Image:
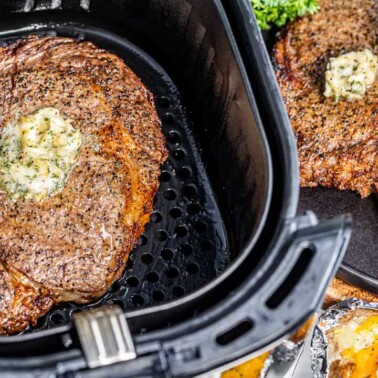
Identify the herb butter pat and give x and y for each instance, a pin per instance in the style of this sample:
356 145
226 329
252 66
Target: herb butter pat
350 75
37 152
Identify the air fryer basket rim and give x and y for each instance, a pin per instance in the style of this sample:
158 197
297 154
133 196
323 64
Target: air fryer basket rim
235 264
253 49
133 314
167 348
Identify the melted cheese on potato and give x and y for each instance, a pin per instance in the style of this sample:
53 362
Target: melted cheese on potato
37 152
357 345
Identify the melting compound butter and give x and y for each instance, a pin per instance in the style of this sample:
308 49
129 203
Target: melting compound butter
37 152
350 75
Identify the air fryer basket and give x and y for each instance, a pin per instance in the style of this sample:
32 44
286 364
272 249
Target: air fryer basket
223 269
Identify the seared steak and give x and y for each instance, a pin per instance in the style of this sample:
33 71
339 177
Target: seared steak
337 141
74 244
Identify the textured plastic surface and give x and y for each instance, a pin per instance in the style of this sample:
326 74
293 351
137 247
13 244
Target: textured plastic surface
280 266
360 264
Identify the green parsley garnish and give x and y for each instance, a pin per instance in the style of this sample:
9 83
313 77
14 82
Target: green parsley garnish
280 12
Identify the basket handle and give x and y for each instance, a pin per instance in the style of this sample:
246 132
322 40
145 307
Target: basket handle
314 251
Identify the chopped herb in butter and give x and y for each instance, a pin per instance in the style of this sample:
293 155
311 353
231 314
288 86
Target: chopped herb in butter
350 75
37 152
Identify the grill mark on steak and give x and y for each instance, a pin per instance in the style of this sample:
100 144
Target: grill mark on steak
60 249
337 142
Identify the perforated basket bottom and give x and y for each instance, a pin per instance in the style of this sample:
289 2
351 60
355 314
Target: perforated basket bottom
185 245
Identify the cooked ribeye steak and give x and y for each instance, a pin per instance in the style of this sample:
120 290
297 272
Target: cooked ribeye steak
337 140
73 244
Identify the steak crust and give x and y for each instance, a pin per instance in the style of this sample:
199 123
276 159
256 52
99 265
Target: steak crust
74 245
337 141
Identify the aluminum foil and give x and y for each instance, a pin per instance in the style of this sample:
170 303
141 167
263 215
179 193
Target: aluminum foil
328 320
267 364
286 352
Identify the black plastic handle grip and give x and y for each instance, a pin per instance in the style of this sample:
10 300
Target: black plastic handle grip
294 291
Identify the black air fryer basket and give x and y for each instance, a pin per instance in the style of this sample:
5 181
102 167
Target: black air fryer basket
224 269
